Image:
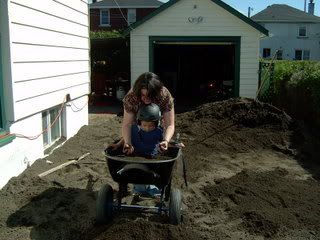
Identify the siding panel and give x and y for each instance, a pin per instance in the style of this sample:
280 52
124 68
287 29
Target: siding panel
49 53
26 34
27 16
40 86
56 8
47 69
36 53
49 100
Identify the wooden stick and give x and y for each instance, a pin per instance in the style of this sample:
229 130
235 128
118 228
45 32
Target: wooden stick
63 165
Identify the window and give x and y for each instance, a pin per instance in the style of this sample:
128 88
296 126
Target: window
132 16
298 55
306 55
54 132
104 17
302 55
302 32
279 54
266 52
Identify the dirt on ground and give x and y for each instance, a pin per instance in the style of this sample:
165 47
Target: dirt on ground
253 173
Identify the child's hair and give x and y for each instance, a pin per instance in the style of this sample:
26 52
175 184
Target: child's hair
149 113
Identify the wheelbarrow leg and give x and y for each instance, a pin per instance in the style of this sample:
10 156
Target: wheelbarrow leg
122 191
167 191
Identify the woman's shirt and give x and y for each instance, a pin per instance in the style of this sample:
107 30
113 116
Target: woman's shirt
146 143
131 102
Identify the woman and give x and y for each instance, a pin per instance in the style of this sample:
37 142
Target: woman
147 89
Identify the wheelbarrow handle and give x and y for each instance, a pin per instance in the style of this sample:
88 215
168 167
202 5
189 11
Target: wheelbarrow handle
137 166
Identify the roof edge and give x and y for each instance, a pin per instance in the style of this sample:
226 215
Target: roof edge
286 21
242 17
220 3
110 7
151 15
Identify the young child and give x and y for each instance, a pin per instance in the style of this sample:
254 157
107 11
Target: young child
145 137
147 133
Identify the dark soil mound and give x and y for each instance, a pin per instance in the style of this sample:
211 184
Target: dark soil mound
268 202
235 126
232 150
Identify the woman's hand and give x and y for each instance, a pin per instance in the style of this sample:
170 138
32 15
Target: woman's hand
116 145
128 149
163 145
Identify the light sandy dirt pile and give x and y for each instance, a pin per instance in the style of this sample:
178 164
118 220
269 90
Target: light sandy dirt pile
252 172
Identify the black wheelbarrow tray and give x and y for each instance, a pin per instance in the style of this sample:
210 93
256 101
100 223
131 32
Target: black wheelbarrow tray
124 170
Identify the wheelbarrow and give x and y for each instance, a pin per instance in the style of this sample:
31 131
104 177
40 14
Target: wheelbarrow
125 170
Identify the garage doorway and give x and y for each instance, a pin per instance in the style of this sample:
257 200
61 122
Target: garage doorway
197 70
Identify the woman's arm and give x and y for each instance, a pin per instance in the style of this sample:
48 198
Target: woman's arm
168 120
128 120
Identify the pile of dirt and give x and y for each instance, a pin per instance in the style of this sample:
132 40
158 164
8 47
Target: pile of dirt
250 176
268 203
235 126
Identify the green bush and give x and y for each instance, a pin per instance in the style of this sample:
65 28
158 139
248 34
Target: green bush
105 34
298 83
302 75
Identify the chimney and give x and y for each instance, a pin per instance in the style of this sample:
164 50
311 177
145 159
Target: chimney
311 7
305 5
249 11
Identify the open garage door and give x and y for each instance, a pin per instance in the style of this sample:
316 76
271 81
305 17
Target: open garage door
197 71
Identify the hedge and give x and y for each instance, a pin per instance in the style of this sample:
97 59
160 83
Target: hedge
297 89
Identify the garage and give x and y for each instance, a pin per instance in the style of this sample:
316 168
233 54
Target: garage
201 69
202 50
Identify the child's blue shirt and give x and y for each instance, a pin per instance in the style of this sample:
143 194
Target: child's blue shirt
146 143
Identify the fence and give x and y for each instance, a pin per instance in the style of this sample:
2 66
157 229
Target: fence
266 82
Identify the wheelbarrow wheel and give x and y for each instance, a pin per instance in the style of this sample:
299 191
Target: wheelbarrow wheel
104 204
175 207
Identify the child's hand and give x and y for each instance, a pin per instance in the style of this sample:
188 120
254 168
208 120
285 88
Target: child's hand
163 146
128 149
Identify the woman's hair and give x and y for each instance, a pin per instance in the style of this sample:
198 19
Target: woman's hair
149 81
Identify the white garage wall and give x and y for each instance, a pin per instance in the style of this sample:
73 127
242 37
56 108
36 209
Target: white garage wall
216 22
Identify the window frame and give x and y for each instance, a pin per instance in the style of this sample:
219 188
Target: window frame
263 51
48 133
135 15
306 32
3 127
2 121
280 56
295 54
303 54
101 17
303 57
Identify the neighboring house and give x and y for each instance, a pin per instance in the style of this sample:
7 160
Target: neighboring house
44 61
296 34
118 14
190 43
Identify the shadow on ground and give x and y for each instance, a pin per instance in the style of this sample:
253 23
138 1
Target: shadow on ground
57 213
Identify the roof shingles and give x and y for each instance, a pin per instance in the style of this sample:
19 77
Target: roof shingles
284 13
126 3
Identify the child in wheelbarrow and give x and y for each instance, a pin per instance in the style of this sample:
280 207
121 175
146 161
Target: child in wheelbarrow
145 137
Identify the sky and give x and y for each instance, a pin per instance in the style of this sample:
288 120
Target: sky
259 5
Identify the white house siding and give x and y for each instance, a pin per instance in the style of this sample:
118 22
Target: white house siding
285 36
216 22
45 55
